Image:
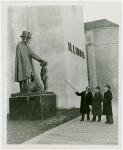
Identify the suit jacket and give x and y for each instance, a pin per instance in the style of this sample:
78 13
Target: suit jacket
86 100
96 104
107 103
24 67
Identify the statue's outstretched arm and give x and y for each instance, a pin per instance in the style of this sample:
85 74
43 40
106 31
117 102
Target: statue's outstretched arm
36 57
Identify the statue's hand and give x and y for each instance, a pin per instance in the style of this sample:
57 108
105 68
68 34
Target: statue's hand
43 63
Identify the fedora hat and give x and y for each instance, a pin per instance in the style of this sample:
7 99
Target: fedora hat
97 87
108 86
25 33
89 88
30 35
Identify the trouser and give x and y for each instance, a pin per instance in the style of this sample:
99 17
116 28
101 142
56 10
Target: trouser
109 119
83 116
24 84
45 84
94 118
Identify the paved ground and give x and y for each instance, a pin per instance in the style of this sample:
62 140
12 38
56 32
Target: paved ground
82 133
19 131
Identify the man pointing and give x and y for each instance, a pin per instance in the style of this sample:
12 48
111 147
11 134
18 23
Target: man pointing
86 102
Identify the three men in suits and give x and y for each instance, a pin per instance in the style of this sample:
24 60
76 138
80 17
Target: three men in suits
86 102
96 105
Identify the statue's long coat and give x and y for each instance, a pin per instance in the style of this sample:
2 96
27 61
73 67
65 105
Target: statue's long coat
86 100
24 67
107 103
96 104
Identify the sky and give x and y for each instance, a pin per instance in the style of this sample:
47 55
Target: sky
100 10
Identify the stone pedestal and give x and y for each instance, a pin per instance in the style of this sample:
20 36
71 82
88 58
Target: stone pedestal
38 106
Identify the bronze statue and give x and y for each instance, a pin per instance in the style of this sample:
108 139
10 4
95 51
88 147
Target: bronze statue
24 67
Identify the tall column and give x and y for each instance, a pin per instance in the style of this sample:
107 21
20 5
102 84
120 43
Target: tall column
91 61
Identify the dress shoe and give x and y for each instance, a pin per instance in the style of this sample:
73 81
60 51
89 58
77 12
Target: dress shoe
92 121
110 123
82 120
99 121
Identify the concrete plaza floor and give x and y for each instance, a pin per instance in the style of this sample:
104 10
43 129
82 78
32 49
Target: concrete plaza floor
75 132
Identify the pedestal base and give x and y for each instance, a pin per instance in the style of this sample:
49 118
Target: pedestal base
40 106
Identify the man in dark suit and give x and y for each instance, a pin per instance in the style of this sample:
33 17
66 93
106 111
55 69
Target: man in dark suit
86 101
96 105
107 105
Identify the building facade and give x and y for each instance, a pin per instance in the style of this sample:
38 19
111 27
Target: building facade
102 44
58 38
